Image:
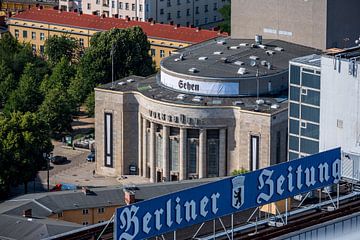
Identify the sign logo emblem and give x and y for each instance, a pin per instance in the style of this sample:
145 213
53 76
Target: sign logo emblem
238 190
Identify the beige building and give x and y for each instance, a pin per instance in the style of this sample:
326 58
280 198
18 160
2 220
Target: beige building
200 116
320 24
183 12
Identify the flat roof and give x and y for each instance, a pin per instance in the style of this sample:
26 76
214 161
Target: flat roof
313 60
238 54
150 88
87 21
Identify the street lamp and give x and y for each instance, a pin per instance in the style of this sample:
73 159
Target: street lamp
48 156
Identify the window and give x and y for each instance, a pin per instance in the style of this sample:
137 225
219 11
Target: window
101 210
215 18
294 93
33 47
113 4
85 223
206 8
197 22
213 155
197 10
60 215
133 7
295 75
178 2
311 97
309 146
192 155
159 152
42 36
16 33
293 143
169 16
215 6
174 155
97 1
206 20
33 35
188 12
310 113
140 7
153 52
81 42
162 53
161 11
120 5
254 152
169 3
294 126
41 49
178 14
89 6
24 34
126 6
310 80
108 140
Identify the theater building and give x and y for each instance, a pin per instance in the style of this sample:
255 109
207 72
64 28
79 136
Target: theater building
213 108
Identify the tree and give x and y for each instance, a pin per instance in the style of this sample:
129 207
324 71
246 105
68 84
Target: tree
7 83
225 12
239 171
131 56
23 140
57 110
27 97
90 104
58 47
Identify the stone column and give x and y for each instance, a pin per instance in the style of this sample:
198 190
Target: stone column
222 152
144 147
165 153
140 134
152 153
182 154
202 154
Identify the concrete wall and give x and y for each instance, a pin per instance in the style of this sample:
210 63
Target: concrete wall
340 107
298 21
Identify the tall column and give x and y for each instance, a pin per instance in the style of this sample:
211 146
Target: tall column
144 147
140 135
152 153
222 152
165 153
202 154
182 154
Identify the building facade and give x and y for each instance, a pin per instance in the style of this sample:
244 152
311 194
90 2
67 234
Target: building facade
36 25
304 106
183 12
214 108
320 24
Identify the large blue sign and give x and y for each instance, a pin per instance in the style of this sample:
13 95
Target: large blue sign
199 204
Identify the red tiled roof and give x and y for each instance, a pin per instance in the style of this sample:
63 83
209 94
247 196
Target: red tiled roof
163 31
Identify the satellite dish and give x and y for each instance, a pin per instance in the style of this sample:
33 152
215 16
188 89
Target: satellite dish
253 63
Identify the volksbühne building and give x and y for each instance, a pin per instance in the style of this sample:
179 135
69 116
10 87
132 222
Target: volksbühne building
214 107
36 25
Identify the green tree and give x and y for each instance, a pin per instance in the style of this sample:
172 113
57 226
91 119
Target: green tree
57 110
239 171
58 47
7 83
27 97
225 12
131 56
23 140
90 104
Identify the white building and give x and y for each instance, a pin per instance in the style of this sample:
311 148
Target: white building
340 107
183 12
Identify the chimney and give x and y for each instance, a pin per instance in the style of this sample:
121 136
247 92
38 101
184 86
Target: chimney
192 26
171 23
153 22
198 29
55 7
177 26
27 213
80 13
149 19
215 28
75 10
60 10
129 196
86 191
102 16
116 15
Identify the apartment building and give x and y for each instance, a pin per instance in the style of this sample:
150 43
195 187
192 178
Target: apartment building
320 24
36 25
183 12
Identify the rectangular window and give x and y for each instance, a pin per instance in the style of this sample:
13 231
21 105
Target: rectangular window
174 155
24 34
108 140
153 52
310 130
295 75
293 156
178 14
188 12
120 5
85 211
89 6
81 42
310 80
294 110
41 49
162 53
215 6
254 153
310 114
101 210
206 8
133 7
197 10
311 97
126 6
213 157
42 36
293 143
294 93
16 33
168 3
309 146
178 2
140 7
33 47
161 11
193 149
168 16
113 4
33 35
294 126
60 214
85 223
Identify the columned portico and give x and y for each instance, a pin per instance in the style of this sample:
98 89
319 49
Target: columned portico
202 153
165 148
144 149
182 154
152 153
222 152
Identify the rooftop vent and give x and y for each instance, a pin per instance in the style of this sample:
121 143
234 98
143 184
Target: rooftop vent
279 49
275 106
221 42
254 58
122 83
242 71
197 99
239 63
218 53
130 80
262 46
224 60
269 66
238 103
203 58
258 39
270 52
260 101
263 63
181 97
243 44
234 47
193 70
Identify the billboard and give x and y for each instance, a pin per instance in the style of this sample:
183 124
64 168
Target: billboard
209 201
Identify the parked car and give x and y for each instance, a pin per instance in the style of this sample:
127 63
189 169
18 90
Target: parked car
58 160
91 157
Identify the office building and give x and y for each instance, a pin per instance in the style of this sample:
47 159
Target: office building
36 25
321 24
214 107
